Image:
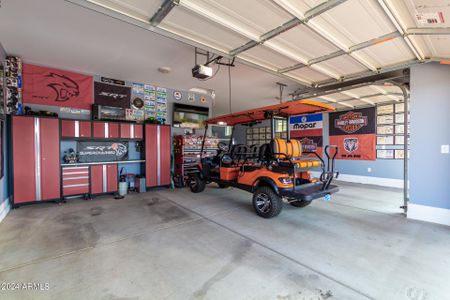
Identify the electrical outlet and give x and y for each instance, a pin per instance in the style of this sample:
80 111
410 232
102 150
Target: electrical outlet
369 170
445 149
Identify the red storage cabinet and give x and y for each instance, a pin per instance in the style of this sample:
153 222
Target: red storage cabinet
105 130
130 131
35 151
104 178
75 128
157 155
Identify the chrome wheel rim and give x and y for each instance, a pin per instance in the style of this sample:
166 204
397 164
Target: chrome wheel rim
263 203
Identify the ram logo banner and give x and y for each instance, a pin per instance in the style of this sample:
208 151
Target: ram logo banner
47 86
354 133
351 144
309 130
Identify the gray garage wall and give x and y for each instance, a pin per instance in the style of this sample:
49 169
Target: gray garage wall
429 170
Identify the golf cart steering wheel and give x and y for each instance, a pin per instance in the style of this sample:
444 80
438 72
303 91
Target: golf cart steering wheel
222 146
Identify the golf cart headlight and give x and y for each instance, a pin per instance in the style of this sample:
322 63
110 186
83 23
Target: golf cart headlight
285 180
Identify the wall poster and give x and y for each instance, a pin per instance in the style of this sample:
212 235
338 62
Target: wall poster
112 95
92 151
354 133
309 130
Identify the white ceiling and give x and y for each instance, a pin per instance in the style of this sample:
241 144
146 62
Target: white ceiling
334 40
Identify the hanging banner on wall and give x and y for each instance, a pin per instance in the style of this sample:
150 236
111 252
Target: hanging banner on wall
48 86
354 133
91 151
112 95
309 130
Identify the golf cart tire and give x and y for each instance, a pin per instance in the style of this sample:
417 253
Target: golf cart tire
300 203
275 202
222 186
196 184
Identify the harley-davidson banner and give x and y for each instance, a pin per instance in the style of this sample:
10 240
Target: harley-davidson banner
309 130
102 151
112 95
48 86
354 133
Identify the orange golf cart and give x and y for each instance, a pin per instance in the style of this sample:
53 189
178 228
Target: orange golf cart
273 172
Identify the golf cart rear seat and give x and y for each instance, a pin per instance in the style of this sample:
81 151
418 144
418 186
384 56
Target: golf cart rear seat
289 153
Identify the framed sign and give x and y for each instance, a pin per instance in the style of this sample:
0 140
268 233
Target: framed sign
399 118
399 129
385 140
385 119
399 154
385 109
385 130
399 107
399 140
385 154
112 95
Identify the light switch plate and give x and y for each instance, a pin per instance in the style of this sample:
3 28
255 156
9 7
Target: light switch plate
445 149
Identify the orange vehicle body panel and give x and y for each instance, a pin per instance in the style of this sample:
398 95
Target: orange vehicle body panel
229 174
250 178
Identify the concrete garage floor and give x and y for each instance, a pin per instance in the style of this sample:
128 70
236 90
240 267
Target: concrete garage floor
177 245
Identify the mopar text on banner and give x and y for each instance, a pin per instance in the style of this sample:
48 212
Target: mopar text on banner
48 86
354 133
309 130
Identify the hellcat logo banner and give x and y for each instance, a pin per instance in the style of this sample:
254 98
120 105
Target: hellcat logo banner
48 86
354 133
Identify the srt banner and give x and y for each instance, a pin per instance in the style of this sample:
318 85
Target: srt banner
112 95
102 151
309 130
47 86
354 133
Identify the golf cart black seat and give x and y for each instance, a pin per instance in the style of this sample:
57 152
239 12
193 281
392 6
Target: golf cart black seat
289 153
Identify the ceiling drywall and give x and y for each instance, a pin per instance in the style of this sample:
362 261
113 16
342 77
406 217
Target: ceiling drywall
62 35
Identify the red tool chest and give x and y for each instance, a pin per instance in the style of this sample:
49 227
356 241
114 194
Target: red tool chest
104 178
75 180
157 155
35 151
75 128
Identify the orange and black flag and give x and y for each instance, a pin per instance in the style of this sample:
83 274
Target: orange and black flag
354 132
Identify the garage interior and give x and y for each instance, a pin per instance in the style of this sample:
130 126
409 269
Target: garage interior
109 106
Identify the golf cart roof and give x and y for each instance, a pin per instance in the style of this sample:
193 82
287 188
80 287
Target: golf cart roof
286 109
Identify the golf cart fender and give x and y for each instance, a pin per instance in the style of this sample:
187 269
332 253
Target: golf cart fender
265 181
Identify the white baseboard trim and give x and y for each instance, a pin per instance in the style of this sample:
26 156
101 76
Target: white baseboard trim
398 183
4 209
429 214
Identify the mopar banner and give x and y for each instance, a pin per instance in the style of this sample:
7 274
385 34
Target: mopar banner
102 151
354 133
309 130
47 86
112 95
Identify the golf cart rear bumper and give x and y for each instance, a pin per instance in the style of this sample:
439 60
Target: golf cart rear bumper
308 193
